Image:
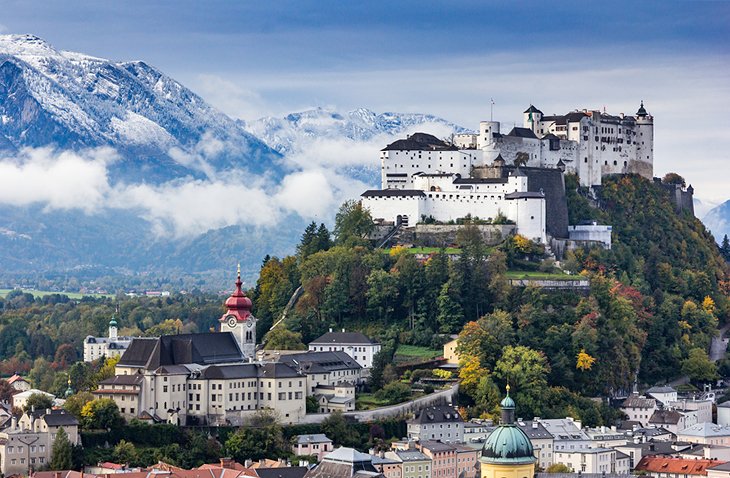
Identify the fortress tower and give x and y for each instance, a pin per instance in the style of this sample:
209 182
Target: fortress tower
508 452
644 144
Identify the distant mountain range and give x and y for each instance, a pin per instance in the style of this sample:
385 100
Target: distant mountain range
718 221
167 143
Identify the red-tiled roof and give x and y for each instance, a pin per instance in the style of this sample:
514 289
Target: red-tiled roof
664 464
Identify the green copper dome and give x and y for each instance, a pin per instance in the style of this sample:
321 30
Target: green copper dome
508 444
113 322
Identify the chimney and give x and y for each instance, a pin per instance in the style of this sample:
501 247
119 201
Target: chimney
248 463
48 411
534 425
330 329
14 422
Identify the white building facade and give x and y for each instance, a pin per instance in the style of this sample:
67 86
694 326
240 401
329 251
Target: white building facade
356 345
111 346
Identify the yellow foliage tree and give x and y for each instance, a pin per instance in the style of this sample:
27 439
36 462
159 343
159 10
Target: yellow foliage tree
444 374
709 305
470 372
585 361
522 244
397 250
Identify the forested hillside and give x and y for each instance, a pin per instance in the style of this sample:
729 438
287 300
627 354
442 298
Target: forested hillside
655 302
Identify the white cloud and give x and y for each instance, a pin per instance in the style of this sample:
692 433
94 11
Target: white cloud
60 181
230 97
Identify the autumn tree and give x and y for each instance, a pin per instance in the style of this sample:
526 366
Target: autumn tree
698 366
101 414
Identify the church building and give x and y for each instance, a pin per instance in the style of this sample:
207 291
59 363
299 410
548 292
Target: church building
508 452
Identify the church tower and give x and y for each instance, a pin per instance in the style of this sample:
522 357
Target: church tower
508 452
239 321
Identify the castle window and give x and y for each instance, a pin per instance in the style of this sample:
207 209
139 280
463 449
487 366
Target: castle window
615 163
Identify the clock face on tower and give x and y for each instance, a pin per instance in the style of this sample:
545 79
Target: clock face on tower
232 321
249 323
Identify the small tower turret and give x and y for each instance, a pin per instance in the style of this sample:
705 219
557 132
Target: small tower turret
644 140
113 329
532 118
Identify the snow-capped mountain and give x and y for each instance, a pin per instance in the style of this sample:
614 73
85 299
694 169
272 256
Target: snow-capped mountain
718 221
114 165
161 129
287 134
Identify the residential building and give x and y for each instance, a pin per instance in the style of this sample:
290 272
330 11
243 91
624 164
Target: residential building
450 354
443 458
18 383
695 411
325 368
477 431
639 408
665 394
637 451
706 433
605 437
708 452
671 420
595 460
336 398
27 443
415 464
390 465
20 399
345 463
467 461
670 467
442 423
720 470
356 345
542 441
723 413
314 445
567 434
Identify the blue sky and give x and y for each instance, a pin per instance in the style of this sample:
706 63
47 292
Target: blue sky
446 58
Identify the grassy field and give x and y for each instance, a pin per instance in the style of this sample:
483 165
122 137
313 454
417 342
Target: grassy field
43 293
415 352
367 401
537 275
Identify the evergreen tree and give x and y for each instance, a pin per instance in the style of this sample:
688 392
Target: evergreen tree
450 313
308 245
62 452
725 248
353 223
324 238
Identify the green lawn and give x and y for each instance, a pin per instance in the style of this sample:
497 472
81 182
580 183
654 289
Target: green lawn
367 401
43 293
537 275
411 352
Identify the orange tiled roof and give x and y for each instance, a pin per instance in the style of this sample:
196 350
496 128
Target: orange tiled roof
665 464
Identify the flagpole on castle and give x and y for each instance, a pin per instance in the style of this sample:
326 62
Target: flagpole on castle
491 109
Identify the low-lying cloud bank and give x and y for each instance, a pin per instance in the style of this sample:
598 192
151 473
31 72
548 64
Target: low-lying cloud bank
320 179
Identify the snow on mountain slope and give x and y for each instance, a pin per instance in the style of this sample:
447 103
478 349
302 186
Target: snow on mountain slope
718 221
71 100
287 134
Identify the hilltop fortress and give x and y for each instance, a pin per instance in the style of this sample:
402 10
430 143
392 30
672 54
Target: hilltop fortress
515 177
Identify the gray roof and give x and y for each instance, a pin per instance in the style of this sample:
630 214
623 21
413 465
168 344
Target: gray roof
637 401
412 455
320 362
533 429
720 467
315 438
420 142
706 430
439 414
665 417
347 338
217 372
524 194
661 389
135 379
392 193
522 133
436 446
282 472
58 418
203 349
564 429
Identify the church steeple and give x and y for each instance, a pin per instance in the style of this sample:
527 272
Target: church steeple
238 319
